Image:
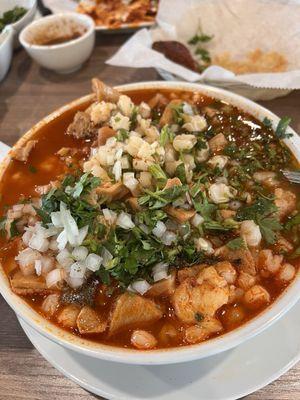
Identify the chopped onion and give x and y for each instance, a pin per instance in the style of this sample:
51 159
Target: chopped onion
109 216
51 231
93 262
80 253
130 181
53 245
119 153
160 271
53 277
197 220
159 229
64 258
168 238
187 109
38 242
75 282
62 240
56 219
140 287
47 264
27 235
106 256
69 224
38 267
117 170
124 221
144 228
81 236
77 270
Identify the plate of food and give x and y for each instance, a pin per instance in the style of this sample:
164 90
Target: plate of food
111 15
151 223
215 43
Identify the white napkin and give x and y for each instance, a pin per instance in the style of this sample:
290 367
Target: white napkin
238 26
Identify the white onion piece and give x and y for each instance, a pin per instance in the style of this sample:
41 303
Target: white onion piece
51 231
144 228
93 262
53 245
47 264
81 236
187 109
56 219
62 240
27 235
106 256
168 238
109 215
130 181
77 270
38 242
160 271
53 277
64 258
197 220
140 287
124 221
75 282
159 229
117 170
80 253
38 267
69 224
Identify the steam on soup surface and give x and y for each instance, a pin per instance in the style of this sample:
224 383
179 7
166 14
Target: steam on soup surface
150 219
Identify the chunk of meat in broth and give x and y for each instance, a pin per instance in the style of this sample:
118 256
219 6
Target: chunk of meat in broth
168 114
131 309
67 317
164 287
89 321
204 295
29 285
285 201
242 259
217 143
199 332
111 191
104 92
50 304
21 153
82 126
105 133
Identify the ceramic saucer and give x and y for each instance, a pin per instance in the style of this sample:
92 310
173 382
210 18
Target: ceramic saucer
229 375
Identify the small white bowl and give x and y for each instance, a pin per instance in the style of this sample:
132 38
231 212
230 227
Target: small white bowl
30 5
6 49
64 57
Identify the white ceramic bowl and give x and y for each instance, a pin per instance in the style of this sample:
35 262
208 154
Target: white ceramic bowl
6 49
65 57
30 5
174 355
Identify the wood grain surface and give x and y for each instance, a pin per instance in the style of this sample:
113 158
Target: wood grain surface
28 94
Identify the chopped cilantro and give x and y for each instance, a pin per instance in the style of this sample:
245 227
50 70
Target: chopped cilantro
32 169
236 244
282 126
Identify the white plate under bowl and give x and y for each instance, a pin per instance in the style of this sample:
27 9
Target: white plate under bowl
230 375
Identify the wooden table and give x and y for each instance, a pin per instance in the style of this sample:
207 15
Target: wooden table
28 94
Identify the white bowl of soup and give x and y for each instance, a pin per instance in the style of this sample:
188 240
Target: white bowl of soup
151 223
61 42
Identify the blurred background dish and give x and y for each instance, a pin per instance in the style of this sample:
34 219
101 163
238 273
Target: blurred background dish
110 16
18 14
6 49
60 42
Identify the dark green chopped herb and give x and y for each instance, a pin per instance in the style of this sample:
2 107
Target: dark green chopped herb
180 173
166 135
13 229
204 55
200 37
199 317
122 135
262 212
294 221
161 198
32 169
236 244
157 172
133 119
282 126
267 122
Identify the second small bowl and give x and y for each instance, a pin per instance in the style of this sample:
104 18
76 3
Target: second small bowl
61 42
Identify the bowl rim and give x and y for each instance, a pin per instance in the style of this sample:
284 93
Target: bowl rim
224 342
80 17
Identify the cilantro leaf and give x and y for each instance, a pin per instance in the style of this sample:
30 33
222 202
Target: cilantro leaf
282 126
236 244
